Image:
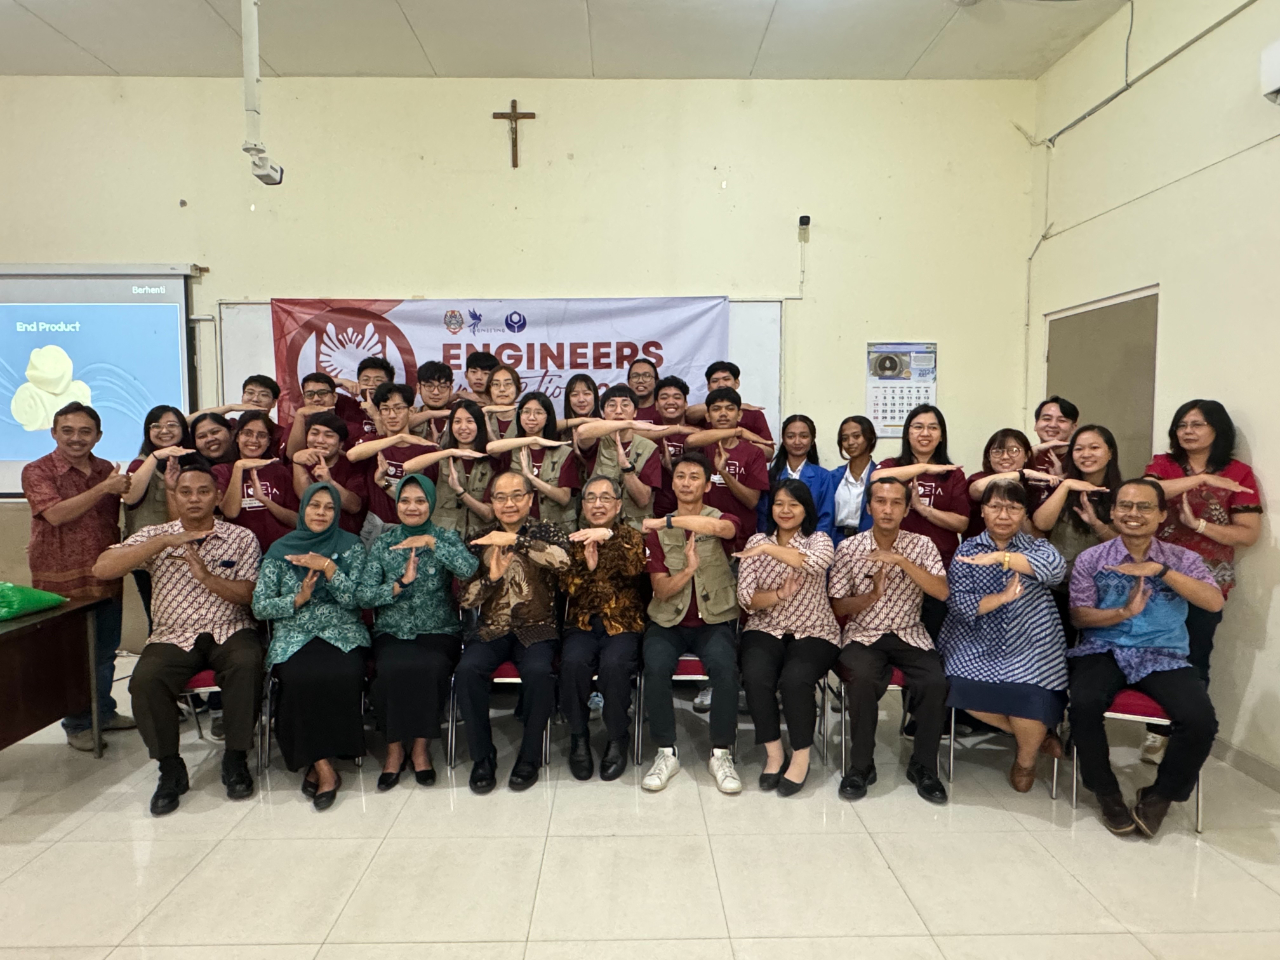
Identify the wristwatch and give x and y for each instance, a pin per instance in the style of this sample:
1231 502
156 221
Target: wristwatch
1164 568
669 516
629 468
401 584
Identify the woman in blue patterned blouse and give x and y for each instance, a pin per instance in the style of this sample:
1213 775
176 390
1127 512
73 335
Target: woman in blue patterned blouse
417 636
1002 644
307 589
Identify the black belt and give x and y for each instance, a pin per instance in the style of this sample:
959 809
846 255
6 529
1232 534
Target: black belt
848 531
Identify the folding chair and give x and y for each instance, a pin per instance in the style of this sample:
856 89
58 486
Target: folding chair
897 681
1130 704
202 683
506 673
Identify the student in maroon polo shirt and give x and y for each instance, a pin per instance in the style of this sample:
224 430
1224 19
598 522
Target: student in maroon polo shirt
1056 419
642 378
723 374
257 489
383 458
359 408
939 494
320 395
671 401
258 392
740 472
322 462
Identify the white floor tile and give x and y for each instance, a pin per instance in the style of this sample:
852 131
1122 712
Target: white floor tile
256 951
1198 946
260 891
635 888
1257 851
1095 946
629 950
448 808
893 806
422 951
816 809
810 886
204 812
444 890
13 856
360 812
54 953
838 948
91 894
622 809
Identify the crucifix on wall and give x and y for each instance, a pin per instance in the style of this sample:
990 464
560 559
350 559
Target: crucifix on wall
513 118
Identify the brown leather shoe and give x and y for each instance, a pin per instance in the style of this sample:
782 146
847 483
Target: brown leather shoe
1022 778
1051 746
1149 811
1115 815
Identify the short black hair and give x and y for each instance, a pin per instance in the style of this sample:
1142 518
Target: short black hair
907 456
619 390
482 360
515 376
590 382
262 380
195 463
868 433
376 363
1008 490
255 416
724 366
671 382
217 418
892 481
724 395
329 419
384 392
799 492
1001 439
75 406
318 377
1224 433
434 370
638 360
692 456
1069 409
1161 500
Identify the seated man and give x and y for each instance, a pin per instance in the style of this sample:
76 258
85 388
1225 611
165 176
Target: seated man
603 623
694 610
203 571
1129 596
515 589
878 580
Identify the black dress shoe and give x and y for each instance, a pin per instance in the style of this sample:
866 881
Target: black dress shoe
1149 811
855 783
769 781
324 800
581 763
173 783
1115 815
236 776
927 783
789 788
484 775
614 761
388 780
523 775
309 787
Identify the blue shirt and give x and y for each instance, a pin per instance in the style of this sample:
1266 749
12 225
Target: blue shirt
817 480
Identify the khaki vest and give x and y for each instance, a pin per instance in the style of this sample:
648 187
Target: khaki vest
714 580
553 458
450 512
642 448
153 508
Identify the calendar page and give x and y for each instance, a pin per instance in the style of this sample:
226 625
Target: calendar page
900 377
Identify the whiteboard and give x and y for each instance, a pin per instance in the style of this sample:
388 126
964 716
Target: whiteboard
755 345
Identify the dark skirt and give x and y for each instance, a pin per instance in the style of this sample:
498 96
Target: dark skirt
318 713
1024 700
411 689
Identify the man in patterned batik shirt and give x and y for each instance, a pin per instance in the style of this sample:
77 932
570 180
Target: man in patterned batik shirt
878 581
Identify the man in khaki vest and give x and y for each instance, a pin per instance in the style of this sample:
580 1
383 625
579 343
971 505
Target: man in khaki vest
694 610
624 450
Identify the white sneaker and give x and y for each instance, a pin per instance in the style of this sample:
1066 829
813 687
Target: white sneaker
721 767
665 765
1153 748
702 702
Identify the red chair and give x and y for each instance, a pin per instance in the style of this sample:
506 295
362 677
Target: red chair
1130 704
506 673
202 683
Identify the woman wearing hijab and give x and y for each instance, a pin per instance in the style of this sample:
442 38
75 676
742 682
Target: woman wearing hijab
417 636
307 589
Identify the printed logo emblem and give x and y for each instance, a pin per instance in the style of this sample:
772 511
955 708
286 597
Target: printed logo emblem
516 322
476 320
453 321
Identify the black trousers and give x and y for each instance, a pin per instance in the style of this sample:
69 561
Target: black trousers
868 670
1095 681
711 643
164 669
411 689
610 657
789 664
538 694
1201 626
318 713
932 614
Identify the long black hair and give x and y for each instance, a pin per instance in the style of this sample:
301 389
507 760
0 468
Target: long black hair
1001 438
255 416
1224 433
798 490
576 379
450 442
549 431
1111 479
153 416
780 458
906 457
232 453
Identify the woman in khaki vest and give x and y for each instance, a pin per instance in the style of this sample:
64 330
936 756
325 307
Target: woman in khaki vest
462 472
502 419
548 463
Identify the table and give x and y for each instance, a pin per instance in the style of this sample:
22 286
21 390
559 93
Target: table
47 670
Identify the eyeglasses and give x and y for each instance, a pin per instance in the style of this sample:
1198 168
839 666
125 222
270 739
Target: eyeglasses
591 498
925 428
1009 509
642 377
165 425
316 394
1006 451
1192 424
390 408
1145 508
502 499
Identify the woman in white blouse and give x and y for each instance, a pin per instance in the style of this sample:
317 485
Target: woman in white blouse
791 639
857 441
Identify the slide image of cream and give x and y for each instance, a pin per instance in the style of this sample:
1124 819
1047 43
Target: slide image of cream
48 389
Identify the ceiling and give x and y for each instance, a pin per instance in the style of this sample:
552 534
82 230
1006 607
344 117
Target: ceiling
779 39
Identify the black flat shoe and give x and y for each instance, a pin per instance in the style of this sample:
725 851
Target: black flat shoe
523 775
854 785
309 787
927 783
324 801
581 763
425 777
789 788
388 780
614 761
484 776
769 781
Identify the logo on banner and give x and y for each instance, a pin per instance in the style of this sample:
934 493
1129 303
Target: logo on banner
516 322
453 321
476 319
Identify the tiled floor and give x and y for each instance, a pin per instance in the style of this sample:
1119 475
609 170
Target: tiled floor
602 871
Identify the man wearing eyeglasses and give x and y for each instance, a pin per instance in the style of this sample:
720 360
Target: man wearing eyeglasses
319 395
603 624
385 456
515 591
642 378
1129 596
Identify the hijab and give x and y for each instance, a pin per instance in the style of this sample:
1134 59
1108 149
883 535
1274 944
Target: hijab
332 542
429 489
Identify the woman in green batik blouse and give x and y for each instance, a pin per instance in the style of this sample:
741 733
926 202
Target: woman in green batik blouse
417 636
307 589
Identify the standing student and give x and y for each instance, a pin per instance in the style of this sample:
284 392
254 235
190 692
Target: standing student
320 395
642 378
617 451
671 403
462 472
258 488
384 457
359 408
741 472
1005 457
797 459
480 364
322 462
1056 419
505 387
211 436
851 515
75 502
939 496
435 388
725 375
581 403
258 392
548 462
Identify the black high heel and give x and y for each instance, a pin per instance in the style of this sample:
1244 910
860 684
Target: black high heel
388 780
324 801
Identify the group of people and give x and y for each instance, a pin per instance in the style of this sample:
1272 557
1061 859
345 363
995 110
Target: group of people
400 541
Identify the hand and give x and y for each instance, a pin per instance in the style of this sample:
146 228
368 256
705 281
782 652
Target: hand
1086 512
168 453
756 551
544 443
877 584
171 474
1082 486
648 525
623 460
350 386
887 557
1013 590
598 534
413 543
495 538
116 484
984 559
307 456
1148 568
305 411
410 568
788 588
1050 478
498 408
306 588
1224 483
941 467
499 561
466 454
722 458
591 553
1138 597
1040 448
380 472
1188 518
255 487
751 406
321 471
454 483
198 570
314 561
185 536
415 440
526 464
691 552
253 464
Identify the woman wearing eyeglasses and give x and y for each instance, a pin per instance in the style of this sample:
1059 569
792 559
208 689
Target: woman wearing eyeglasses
1005 457
504 387
547 461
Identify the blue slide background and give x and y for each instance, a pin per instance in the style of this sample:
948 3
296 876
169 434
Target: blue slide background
130 355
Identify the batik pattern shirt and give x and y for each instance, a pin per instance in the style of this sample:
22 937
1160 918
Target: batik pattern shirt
807 613
427 604
609 591
898 609
332 613
523 600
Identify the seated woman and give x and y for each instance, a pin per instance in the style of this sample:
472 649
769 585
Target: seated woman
791 639
1003 647
548 462
849 494
417 636
258 488
307 589
797 459
462 472
1005 457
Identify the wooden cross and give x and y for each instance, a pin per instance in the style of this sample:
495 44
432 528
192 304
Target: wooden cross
513 118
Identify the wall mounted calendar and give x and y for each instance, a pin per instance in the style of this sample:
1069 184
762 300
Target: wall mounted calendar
900 377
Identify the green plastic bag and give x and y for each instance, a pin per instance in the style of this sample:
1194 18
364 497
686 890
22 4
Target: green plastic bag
16 601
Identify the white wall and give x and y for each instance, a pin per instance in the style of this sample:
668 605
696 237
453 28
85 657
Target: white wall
1175 183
